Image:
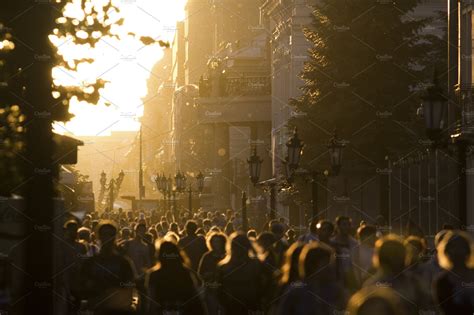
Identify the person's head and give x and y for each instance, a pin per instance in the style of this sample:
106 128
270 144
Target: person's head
140 230
229 228
252 234
171 236
84 234
289 269
70 230
191 227
316 260
107 232
344 225
153 232
448 226
266 240
290 234
324 230
201 232
382 300
206 224
125 233
416 248
367 234
238 248
455 251
216 242
390 254
277 229
439 237
174 227
169 255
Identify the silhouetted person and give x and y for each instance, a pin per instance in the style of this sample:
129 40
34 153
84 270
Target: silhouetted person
242 282
311 235
70 256
208 265
138 251
289 279
346 248
84 236
108 278
317 292
281 245
171 285
291 236
324 231
454 287
390 262
216 242
268 256
367 235
382 300
193 245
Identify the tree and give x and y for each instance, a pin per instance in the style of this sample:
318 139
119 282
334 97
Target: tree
366 64
28 84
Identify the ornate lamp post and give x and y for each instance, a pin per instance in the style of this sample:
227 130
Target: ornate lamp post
295 151
336 148
180 181
200 187
160 182
200 181
433 110
255 166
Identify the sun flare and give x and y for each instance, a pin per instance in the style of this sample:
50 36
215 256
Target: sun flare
126 65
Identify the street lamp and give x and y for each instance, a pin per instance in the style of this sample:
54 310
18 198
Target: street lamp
200 182
161 185
336 148
200 187
433 110
255 166
180 181
295 150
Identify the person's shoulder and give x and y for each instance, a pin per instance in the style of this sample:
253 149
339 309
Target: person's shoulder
442 278
183 240
353 242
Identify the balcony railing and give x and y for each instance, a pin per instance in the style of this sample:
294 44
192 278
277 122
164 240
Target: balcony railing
246 86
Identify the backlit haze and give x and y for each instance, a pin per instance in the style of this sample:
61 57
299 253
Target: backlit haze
126 63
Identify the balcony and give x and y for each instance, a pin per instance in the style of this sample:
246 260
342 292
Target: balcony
232 87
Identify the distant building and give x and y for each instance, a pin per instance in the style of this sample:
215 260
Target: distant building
461 14
285 21
234 108
198 36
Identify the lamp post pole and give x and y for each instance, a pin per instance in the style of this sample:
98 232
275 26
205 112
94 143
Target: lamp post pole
462 150
244 212
272 201
295 150
314 194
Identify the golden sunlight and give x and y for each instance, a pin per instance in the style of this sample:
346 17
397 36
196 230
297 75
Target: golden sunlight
126 64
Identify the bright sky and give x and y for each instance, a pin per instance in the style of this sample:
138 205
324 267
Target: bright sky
126 63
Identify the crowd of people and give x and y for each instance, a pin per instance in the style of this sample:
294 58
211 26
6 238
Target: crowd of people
132 262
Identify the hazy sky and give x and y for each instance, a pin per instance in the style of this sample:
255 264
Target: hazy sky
125 63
